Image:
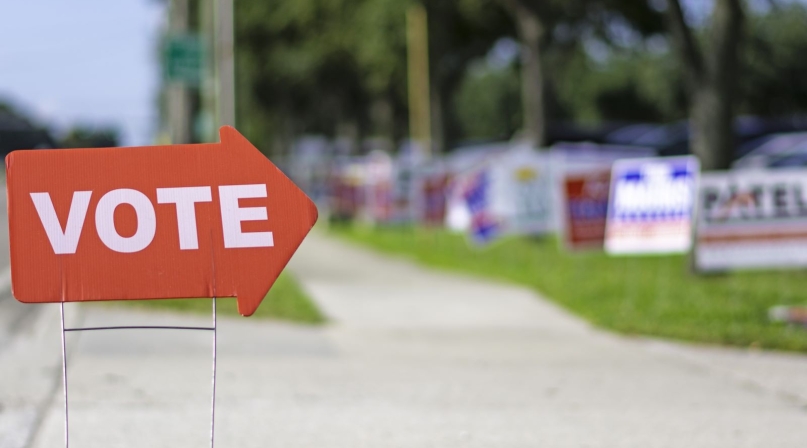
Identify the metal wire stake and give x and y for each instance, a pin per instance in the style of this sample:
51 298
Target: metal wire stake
64 381
213 400
137 327
140 327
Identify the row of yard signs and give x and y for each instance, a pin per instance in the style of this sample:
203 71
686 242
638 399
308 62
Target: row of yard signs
742 219
602 199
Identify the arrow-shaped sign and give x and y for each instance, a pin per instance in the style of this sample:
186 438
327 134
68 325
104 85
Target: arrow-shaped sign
179 221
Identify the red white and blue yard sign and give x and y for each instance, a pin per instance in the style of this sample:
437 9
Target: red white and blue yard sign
651 205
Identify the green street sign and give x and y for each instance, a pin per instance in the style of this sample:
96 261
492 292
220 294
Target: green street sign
183 59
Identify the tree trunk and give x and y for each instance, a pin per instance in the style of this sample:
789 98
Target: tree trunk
530 32
711 80
712 133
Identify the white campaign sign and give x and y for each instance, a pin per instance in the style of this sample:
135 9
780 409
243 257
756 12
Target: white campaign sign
650 205
522 191
752 219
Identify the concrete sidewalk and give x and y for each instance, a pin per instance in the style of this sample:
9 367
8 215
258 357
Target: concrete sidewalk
416 358
370 290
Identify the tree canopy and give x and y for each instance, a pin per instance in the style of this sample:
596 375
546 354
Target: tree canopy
339 67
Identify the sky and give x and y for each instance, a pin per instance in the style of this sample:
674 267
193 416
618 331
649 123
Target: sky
94 62
88 62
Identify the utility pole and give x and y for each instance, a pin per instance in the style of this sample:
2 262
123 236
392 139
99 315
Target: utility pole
208 82
225 63
417 52
177 95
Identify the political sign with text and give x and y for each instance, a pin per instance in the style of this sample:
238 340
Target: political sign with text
586 207
521 191
484 226
179 221
752 219
651 204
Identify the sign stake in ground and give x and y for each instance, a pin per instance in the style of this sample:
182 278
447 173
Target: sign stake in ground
66 330
179 221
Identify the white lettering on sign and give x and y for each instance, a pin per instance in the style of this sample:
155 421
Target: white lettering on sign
657 195
63 242
105 220
232 216
185 199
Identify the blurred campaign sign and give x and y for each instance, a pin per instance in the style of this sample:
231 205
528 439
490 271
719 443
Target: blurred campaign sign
429 186
577 161
402 193
378 185
521 191
586 208
347 189
459 164
484 226
180 221
752 219
650 205
509 193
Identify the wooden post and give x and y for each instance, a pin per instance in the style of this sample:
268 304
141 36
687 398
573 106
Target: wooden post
417 43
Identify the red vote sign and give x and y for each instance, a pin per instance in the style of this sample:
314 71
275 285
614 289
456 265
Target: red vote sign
179 221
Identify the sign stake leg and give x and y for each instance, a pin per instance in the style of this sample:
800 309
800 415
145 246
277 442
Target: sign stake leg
213 400
65 330
64 380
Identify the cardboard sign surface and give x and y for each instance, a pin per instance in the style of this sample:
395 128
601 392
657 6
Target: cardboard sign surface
586 207
521 191
752 219
650 205
180 221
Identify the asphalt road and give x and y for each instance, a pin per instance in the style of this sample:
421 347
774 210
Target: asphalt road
412 358
13 315
28 360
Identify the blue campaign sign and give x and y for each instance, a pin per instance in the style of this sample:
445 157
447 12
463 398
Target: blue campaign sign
651 205
484 227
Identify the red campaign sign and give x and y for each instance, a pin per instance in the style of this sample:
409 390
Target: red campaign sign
346 198
435 188
382 201
179 221
586 209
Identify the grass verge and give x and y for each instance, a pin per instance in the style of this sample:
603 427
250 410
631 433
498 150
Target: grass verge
655 295
285 301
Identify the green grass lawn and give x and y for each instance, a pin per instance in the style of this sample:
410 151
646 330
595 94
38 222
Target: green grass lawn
285 301
651 295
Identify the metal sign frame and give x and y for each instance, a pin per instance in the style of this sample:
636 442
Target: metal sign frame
136 327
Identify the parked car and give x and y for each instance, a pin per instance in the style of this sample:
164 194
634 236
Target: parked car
16 133
773 151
